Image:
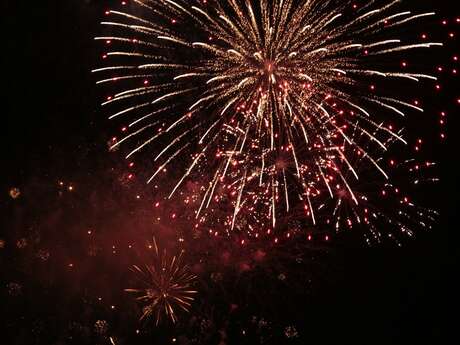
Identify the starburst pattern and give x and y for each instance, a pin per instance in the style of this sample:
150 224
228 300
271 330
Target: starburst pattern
167 286
273 102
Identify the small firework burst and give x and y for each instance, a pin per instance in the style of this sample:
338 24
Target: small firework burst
43 254
15 193
101 327
14 289
21 243
167 286
291 332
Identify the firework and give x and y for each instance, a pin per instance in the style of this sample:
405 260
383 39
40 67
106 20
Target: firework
15 193
271 102
167 286
383 204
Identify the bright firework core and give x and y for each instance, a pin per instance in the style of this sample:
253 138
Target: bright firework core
269 68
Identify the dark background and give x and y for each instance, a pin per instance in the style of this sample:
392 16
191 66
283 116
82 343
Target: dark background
52 129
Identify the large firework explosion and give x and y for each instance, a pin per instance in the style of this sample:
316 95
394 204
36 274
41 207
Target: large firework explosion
76 218
271 103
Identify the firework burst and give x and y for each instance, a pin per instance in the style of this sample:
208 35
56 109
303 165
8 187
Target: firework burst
167 286
269 101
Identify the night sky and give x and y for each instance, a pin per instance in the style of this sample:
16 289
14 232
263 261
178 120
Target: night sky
64 253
